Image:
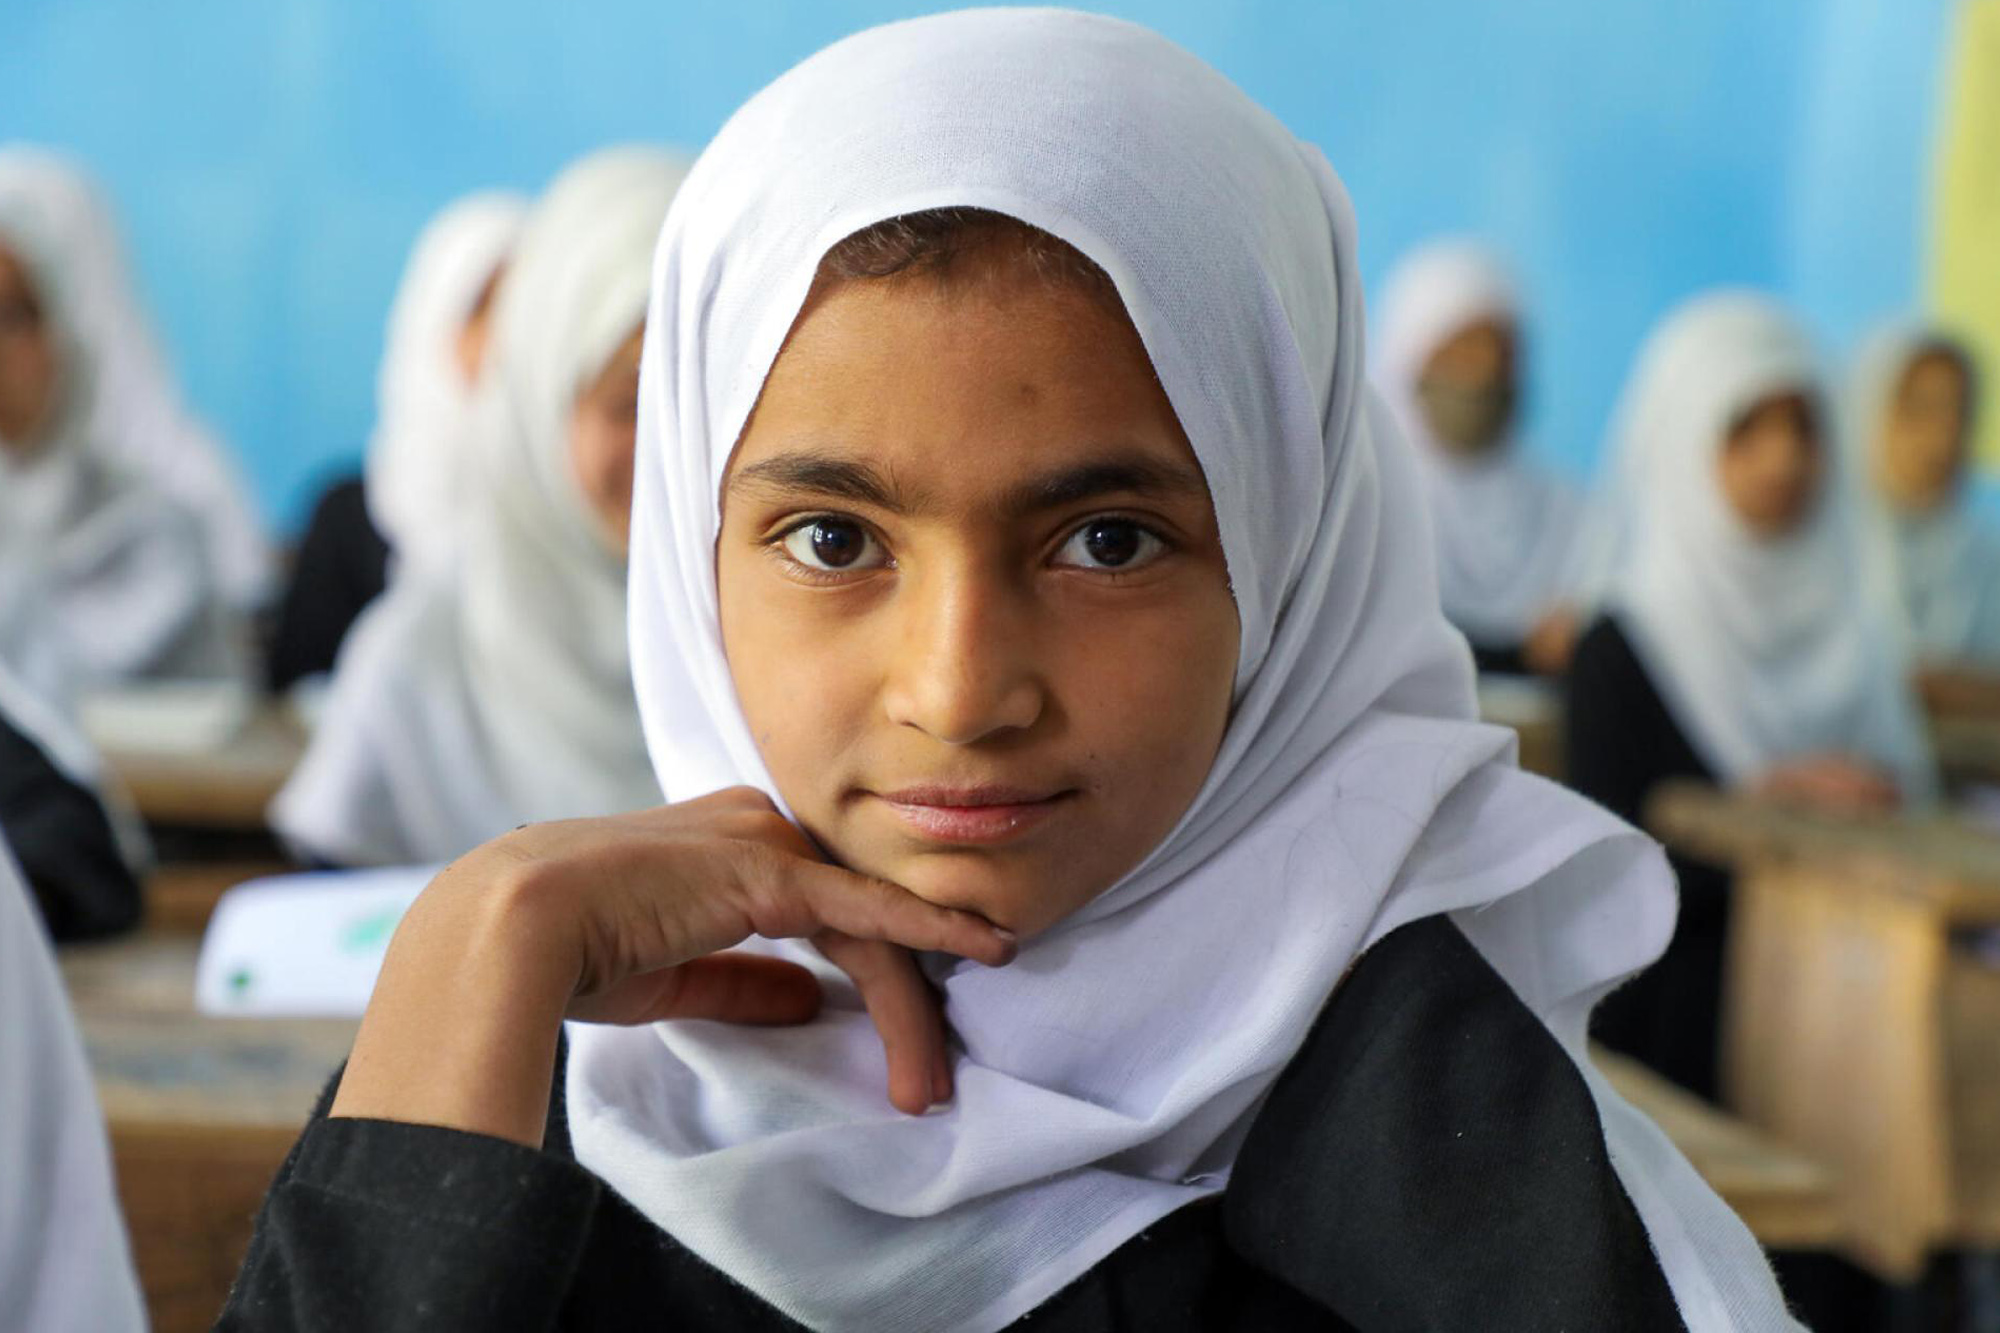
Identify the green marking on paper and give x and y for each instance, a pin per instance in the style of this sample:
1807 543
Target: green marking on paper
239 981
370 934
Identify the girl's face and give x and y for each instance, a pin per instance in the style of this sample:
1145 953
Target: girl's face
469 349
972 592
27 357
601 430
1467 389
1920 453
1770 465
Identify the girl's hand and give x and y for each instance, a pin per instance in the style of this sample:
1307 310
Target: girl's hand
622 920
1833 783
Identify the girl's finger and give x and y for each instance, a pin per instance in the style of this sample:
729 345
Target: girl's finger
905 1012
875 909
725 987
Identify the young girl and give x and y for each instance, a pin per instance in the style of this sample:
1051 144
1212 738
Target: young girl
493 689
137 413
1913 400
1447 363
103 578
1022 574
419 465
1739 644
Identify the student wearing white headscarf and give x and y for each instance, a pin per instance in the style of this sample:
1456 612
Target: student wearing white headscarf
136 409
1740 643
1446 357
1012 513
1913 395
65 1262
103 578
492 689
420 472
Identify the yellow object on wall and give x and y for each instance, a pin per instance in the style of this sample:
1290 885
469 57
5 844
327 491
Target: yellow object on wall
1965 256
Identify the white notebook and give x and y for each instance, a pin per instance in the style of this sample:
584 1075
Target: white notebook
302 946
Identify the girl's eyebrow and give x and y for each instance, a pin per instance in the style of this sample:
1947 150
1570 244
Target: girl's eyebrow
1125 473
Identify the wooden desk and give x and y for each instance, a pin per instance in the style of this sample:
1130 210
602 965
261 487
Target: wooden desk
225 788
1857 1028
201 1112
180 897
1787 1200
1534 709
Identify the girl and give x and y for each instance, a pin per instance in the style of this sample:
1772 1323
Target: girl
419 467
481 695
137 413
1447 364
103 579
1913 399
1738 646
1013 516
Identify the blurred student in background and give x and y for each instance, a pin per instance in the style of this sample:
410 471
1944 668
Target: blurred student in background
1738 645
466 705
136 411
1913 395
414 494
104 576
1447 361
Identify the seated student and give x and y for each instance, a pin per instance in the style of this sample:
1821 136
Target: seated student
1012 512
78 862
1447 362
1738 644
138 416
65 1263
99 571
417 466
472 699
1913 395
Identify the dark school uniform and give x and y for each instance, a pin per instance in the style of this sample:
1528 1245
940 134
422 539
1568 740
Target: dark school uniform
65 845
342 565
1431 1159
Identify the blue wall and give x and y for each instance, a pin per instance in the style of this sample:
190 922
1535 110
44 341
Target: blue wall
273 158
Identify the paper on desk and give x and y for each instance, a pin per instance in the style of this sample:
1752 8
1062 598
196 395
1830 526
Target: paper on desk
302 946
168 716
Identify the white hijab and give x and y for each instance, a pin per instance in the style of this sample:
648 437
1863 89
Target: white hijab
136 410
101 579
467 705
1939 569
418 470
65 1262
1763 650
1506 528
1354 790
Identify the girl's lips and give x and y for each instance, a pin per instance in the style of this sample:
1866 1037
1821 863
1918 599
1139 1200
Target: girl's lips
972 816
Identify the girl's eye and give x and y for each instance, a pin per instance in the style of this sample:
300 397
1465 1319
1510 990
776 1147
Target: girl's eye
1110 543
833 545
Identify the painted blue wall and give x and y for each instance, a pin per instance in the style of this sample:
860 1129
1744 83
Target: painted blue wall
273 158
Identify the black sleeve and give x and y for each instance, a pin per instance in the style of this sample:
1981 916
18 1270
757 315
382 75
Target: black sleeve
1502 658
342 565
385 1226
1621 742
64 842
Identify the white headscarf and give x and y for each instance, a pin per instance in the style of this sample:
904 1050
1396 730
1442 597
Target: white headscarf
1506 528
1939 569
136 411
464 706
1763 650
1353 792
418 471
101 579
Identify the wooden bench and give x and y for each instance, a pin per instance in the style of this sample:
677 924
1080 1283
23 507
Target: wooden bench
1861 1026
201 1111
226 788
1534 709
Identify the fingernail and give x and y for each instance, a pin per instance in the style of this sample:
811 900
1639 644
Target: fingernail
1005 934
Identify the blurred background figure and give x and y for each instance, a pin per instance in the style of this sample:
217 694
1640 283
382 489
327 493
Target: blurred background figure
489 691
134 406
411 497
105 576
1738 645
1448 348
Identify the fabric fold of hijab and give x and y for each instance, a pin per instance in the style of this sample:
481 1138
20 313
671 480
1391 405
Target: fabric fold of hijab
136 409
476 698
418 469
1106 1077
1939 569
1764 649
1507 529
